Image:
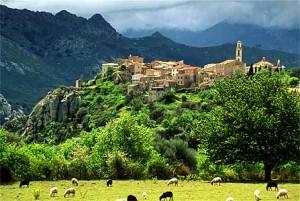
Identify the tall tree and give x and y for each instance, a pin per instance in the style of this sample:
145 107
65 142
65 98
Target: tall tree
257 120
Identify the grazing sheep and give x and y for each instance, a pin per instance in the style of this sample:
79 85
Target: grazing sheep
272 184
257 195
173 181
24 183
75 181
109 182
166 195
53 191
70 191
230 199
282 193
144 194
131 198
216 180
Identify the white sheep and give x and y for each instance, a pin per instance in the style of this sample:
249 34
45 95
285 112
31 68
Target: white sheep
257 195
144 194
230 199
53 191
173 181
75 181
216 180
70 191
282 193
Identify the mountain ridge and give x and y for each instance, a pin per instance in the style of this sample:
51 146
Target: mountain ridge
253 35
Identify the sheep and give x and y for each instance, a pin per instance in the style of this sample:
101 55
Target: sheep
24 183
70 191
166 195
272 184
216 180
131 198
257 195
282 193
144 194
173 181
230 199
109 182
53 191
75 181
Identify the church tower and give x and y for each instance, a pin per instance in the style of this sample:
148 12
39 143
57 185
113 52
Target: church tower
239 51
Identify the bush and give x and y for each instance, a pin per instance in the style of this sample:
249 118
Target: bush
169 97
135 170
157 114
116 163
293 82
158 167
288 172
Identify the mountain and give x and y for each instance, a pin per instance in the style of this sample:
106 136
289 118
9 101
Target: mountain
287 40
40 51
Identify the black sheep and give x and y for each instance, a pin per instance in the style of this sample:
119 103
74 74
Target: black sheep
131 198
109 183
24 183
272 184
166 195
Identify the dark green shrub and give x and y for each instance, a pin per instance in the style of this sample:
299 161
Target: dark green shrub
169 97
116 163
158 167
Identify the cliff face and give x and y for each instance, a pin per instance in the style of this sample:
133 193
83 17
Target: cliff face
59 105
7 112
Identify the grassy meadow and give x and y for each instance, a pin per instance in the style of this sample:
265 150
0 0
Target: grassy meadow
185 191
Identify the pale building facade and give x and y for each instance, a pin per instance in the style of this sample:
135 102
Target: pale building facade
265 64
228 67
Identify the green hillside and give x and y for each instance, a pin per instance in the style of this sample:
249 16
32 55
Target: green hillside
98 131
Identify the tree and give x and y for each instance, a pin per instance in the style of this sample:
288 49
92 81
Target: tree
122 135
257 120
250 72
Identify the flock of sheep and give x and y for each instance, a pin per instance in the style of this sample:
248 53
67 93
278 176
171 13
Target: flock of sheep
282 193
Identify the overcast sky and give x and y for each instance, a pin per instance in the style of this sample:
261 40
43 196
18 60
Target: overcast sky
180 14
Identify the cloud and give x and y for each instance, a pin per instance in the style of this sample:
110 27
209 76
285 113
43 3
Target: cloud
179 14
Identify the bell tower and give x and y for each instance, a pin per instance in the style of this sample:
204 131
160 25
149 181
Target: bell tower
239 51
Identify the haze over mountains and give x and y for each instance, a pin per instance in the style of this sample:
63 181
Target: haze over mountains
275 38
40 51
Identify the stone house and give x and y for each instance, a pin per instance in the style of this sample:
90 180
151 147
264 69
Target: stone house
156 93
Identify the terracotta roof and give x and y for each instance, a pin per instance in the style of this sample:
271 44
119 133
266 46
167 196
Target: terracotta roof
190 68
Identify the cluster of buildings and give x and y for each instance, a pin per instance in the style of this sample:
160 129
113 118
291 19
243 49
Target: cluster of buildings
155 78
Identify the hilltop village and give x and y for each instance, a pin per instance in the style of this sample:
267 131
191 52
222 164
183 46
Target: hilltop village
154 79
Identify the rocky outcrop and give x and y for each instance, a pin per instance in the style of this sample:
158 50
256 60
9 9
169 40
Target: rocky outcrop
7 112
60 105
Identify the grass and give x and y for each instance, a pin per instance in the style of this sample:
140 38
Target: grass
185 191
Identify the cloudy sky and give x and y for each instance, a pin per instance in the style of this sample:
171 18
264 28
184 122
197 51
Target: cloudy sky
191 15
